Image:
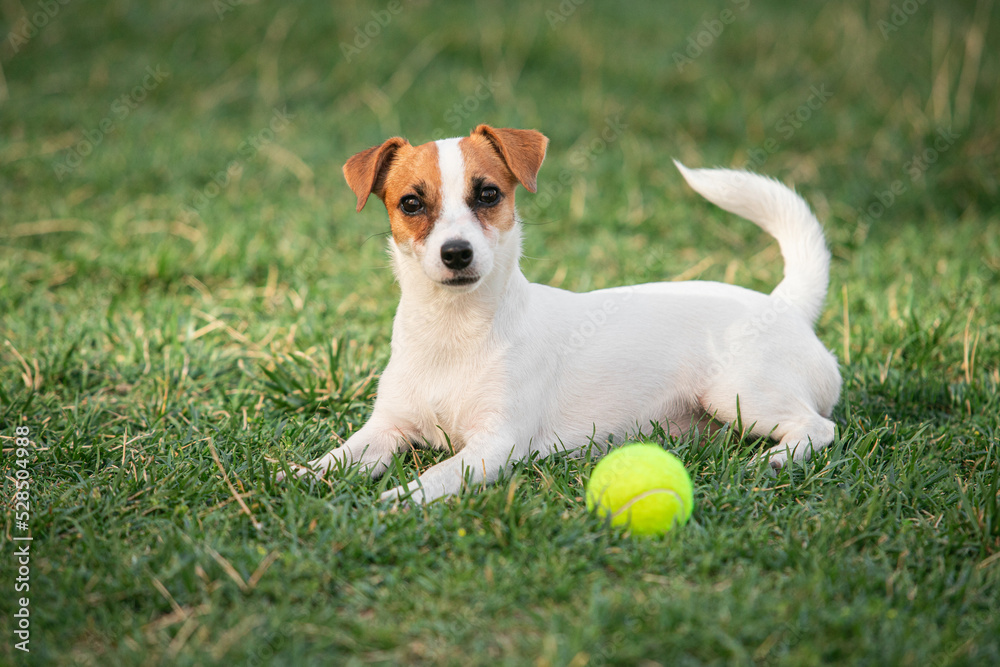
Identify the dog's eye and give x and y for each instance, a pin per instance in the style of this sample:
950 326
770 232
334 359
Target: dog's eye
489 196
411 205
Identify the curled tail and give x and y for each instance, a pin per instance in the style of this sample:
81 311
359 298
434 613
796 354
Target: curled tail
782 214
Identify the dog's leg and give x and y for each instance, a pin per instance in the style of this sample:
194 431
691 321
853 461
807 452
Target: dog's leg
799 429
480 462
371 447
799 440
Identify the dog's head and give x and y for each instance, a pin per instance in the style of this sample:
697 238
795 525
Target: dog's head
450 202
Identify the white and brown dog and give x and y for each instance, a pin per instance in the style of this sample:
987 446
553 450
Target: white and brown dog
492 367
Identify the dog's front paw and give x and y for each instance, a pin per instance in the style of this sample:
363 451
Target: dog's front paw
774 461
779 456
411 494
403 496
316 469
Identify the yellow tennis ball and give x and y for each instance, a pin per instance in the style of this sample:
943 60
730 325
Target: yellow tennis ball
642 486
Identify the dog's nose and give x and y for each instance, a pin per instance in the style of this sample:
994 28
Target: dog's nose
456 254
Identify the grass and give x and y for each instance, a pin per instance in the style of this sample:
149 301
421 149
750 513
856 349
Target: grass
196 297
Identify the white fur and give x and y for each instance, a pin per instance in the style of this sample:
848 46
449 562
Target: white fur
505 367
456 221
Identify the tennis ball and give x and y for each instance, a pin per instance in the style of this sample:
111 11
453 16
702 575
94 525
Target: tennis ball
642 486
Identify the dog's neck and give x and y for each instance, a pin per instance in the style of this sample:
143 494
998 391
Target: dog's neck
433 314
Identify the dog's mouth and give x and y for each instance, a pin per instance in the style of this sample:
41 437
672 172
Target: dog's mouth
460 281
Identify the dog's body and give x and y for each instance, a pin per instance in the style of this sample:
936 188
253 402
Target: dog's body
493 367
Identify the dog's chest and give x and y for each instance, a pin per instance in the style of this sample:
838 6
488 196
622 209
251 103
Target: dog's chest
449 397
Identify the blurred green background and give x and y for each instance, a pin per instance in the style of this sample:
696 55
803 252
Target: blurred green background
180 260
564 68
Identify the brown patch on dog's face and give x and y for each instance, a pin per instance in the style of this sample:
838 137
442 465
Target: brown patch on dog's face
523 151
490 184
412 193
408 179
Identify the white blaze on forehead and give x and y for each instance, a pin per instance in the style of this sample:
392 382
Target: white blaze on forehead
452 166
456 220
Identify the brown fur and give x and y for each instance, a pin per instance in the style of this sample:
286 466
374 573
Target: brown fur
522 150
365 172
483 162
414 172
500 157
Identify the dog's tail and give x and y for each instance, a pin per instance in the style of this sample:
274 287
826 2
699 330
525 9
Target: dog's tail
784 215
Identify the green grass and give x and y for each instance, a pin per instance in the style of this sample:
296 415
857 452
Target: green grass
164 337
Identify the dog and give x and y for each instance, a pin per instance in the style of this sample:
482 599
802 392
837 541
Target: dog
494 368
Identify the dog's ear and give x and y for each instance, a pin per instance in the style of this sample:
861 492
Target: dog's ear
365 172
522 150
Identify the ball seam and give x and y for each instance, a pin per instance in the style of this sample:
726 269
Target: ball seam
646 494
